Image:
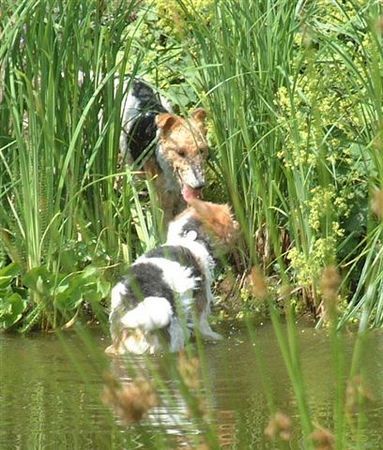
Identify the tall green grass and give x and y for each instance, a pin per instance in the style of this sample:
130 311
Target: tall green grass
295 129
293 91
294 94
63 220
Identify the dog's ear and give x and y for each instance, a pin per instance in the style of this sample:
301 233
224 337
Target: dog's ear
217 218
199 118
165 121
199 115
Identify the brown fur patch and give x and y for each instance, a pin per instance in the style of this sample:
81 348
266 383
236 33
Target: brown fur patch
217 219
183 142
117 347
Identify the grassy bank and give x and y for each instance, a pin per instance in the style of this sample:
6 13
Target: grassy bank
293 94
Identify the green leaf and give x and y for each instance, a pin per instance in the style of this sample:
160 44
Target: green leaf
68 296
11 310
39 279
8 273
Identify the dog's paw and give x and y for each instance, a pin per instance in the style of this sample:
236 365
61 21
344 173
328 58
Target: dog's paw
212 336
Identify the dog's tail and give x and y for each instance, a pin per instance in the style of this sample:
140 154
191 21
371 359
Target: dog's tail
151 314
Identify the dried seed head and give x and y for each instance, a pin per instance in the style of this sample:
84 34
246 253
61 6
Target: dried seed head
188 368
203 446
377 203
228 284
323 439
329 285
379 25
279 427
356 392
257 283
330 282
130 402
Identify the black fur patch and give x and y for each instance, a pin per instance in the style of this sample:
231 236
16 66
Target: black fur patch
195 225
192 224
145 280
148 98
143 130
179 254
141 135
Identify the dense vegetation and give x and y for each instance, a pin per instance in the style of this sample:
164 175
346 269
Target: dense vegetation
293 91
294 96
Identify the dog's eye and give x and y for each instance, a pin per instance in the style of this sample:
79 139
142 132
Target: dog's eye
181 152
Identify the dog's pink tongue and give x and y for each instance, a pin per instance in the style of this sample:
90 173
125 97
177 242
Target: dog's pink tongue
189 193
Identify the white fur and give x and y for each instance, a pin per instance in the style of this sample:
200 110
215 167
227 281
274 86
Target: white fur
156 312
117 292
199 251
206 262
129 111
179 278
175 228
150 314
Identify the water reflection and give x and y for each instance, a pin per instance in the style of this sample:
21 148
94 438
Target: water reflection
51 386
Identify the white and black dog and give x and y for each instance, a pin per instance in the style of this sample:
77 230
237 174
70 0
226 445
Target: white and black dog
166 293
139 107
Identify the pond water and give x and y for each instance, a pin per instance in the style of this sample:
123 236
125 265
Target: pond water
51 386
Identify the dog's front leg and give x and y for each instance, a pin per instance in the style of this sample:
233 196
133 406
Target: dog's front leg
203 307
206 331
170 201
171 204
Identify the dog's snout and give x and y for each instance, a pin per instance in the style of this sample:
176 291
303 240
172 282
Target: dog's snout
200 184
199 178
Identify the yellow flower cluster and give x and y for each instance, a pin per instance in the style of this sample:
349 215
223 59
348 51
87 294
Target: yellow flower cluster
325 203
323 114
308 267
326 99
320 205
174 16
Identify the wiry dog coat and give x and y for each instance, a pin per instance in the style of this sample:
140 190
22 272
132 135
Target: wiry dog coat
166 293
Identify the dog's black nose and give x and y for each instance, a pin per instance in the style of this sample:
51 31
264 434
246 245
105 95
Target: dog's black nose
199 185
199 179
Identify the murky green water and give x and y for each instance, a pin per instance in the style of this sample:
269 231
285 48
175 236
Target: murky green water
50 393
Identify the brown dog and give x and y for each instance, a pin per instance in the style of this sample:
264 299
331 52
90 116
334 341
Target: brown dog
180 150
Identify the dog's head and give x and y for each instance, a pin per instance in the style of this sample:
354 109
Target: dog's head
134 340
206 221
183 147
217 220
